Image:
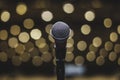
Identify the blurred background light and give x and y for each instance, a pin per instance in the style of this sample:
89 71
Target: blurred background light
16 61
93 48
25 57
108 45
107 22
24 37
21 8
37 61
5 16
89 15
3 34
112 56
118 29
20 49
91 56
28 23
46 57
79 60
68 8
35 34
117 48
97 41
48 27
100 61
85 29
15 30
69 57
113 36
29 46
103 52
3 57
82 45
13 42
47 16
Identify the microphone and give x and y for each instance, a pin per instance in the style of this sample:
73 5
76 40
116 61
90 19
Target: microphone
60 31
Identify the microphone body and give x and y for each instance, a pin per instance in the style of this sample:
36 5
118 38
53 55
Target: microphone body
60 32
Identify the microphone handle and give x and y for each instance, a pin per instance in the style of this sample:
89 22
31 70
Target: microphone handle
60 59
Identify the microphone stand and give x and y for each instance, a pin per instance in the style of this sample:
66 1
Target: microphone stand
60 59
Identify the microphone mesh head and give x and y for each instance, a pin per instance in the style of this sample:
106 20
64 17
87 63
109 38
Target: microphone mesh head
60 30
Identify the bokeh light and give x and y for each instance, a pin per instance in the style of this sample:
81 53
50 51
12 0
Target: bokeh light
21 9
91 56
93 48
16 60
13 42
112 56
35 34
15 30
37 61
46 57
48 27
89 15
28 23
5 16
79 60
82 45
68 8
47 16
29 46
69 57
117 48
85 29
103 52
20 49
3 57
107 22
24 37
25 57
113 36
100 61
108 46
118 29
3 34
97 41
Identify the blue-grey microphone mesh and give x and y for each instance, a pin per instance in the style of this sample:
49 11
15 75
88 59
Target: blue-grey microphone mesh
60 30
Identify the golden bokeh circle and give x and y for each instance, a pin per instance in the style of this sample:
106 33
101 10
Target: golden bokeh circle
103 52
79 60
48 28
5 16
89 15
107 22
13 42
20 49
25 57
113 36
108 46
85 29
35 34
46 57
100 61
69 57
112 56
16 61
68 8
97 41
29 46
91 56
37 61
82 45
117 48
3 57
28 23
24 37
21 8
15 30
3 34
93 48
118 29
47 16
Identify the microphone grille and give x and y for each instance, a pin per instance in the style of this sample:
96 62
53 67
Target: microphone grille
60 30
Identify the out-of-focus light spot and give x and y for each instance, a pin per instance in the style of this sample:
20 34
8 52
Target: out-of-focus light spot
79 60
103 52
113 36
119 61
15 30
3 34
48 27
28 23
5 16
70 43
24 37
44 47
20 49
25 57
47 16
96 4
37 61
21 9
100 60
117 48
112 56
91 56
82 45
10 52
97 41
118 29
40 43
71 34
46 57
107 22
34 52
35 34
89 15
3 57
70 49
108 46
93 48
68 8
16 61
69 57
29 46
85 29
13 42
51 38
